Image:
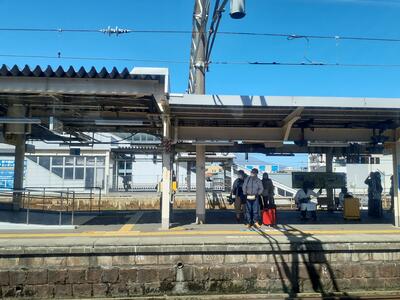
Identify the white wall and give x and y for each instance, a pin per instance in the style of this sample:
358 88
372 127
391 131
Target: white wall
38 176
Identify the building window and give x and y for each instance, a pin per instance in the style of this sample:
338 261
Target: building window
58 171
90 161
44 161
79 173
69 161
80 161
88 168
57 160
69 173
100 161
375 160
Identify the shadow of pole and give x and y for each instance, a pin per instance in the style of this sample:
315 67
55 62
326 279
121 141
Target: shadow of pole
307 249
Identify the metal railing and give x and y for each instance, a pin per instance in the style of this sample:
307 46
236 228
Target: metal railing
65 199
93 195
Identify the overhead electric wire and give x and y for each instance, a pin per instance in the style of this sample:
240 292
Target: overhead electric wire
96 58
252 63
157 31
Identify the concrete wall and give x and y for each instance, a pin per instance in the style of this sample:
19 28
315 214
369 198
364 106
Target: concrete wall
143 270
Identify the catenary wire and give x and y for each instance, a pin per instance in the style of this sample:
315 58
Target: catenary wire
156 31
252 63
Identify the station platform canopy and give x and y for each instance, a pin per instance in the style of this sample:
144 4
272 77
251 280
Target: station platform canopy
284 124
85 100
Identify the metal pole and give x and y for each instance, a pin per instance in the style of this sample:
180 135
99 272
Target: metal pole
99 199
329 169
66 206
90 199
44 196
18 170
200 185
396 182
27 209
73 208
61 206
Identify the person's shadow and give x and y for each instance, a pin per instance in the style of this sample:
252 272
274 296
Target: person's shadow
308 264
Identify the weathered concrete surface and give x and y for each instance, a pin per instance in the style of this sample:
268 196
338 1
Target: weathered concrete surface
288 264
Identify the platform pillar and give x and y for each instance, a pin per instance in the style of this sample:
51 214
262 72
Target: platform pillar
189 175
18 170
329 169
166 184
200 184
396 182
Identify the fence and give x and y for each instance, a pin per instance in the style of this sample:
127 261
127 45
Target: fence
29 197
56 198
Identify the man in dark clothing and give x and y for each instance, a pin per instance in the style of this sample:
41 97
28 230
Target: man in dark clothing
237 193
252 189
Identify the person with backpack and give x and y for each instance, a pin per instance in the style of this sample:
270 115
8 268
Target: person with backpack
237 195
252 190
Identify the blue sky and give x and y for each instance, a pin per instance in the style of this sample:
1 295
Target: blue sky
377 18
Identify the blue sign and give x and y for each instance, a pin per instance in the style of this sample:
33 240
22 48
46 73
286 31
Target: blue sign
275 169
7 173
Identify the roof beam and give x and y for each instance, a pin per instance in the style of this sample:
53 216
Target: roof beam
81 86
275 134
288 122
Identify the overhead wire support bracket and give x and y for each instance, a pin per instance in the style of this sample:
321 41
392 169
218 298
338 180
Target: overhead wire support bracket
115 31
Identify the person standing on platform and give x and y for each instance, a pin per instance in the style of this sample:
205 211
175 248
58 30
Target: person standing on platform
267 199
237 192
303 200
374 194
252 190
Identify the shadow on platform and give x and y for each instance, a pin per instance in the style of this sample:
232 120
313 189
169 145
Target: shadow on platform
180 217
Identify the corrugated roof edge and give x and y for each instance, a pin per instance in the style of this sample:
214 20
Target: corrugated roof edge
59 72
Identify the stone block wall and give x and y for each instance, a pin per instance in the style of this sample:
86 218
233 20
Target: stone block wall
84 272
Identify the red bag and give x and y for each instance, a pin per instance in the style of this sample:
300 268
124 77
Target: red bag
269 216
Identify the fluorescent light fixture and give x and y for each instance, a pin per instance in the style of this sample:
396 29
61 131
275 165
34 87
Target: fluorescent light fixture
19 121
119 123
328 144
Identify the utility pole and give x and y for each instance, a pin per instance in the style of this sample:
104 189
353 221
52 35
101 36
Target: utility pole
197 86
199 48
202 44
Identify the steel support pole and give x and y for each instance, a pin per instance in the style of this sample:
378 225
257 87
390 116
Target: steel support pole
19 170
200 184
189 176
396 183
166 177
329 169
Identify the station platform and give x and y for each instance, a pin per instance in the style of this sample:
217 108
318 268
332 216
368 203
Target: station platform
220 224
125 254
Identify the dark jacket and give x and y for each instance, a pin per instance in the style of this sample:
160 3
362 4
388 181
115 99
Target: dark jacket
237 188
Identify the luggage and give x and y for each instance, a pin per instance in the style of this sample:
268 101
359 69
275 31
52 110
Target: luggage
351 210
269 216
